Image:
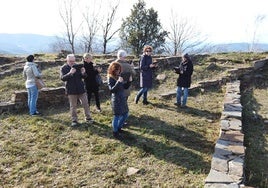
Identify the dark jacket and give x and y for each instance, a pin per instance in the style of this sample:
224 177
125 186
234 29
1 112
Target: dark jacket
146 72
74 84
90 80
185 73
119 103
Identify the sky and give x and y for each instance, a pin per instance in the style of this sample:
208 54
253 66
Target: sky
221 21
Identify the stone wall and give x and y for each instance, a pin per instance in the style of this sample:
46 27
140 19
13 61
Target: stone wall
227 165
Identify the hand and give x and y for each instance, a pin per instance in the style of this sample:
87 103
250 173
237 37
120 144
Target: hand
83 70
130 79
120 79
99 69
72 71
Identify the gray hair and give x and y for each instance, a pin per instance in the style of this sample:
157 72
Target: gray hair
121 53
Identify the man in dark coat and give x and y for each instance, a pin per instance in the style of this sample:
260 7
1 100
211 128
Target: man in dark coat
72 76
185 71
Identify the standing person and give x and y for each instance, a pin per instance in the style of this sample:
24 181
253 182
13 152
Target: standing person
127 71
146 74
117 85
30 73
185 71
91 84
72 76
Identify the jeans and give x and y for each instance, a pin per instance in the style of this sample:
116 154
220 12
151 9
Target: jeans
143 91
179 95
118 121
32 99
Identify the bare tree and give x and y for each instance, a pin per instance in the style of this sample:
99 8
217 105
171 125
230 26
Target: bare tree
258 20
182 36
67 15
108 22
90 16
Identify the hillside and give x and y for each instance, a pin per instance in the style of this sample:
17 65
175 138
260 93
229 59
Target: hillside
20 44
25 43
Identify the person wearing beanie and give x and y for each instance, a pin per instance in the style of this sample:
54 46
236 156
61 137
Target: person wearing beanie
185 72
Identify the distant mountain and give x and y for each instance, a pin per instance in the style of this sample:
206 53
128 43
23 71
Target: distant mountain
21 44
239 47
25 43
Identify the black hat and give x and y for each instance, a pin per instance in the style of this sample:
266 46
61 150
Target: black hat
30 58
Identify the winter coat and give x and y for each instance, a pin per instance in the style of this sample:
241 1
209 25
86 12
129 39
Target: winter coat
146 72
118 99
30 72
74 84
90 80
185 74
126 68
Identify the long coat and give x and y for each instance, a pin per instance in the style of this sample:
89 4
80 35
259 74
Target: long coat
90 80
185 74
119 103
146 72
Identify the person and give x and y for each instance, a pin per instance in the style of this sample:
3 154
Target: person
185 71
117 85
146 74
91 84
72 76
30 73
127 71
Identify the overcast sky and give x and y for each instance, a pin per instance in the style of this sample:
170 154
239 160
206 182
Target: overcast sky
220 20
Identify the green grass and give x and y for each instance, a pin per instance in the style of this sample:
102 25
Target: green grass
256 131
171 147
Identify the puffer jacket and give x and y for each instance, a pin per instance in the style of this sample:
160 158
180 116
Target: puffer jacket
30 72
119 103
74 84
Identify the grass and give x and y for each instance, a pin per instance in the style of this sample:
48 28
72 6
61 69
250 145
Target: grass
171 147
45 151
256 130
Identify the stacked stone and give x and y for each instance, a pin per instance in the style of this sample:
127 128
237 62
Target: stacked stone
227 166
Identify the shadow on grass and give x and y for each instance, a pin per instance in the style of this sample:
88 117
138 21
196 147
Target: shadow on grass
176 145
190 110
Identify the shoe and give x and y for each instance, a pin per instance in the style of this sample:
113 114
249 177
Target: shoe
145 102
121 130
74 123
125 124
98 109
90 120
177 104
36 114
183 106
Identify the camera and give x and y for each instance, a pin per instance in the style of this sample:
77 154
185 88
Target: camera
78 66
125 75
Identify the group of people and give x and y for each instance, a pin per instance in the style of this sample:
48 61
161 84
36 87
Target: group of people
80 84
